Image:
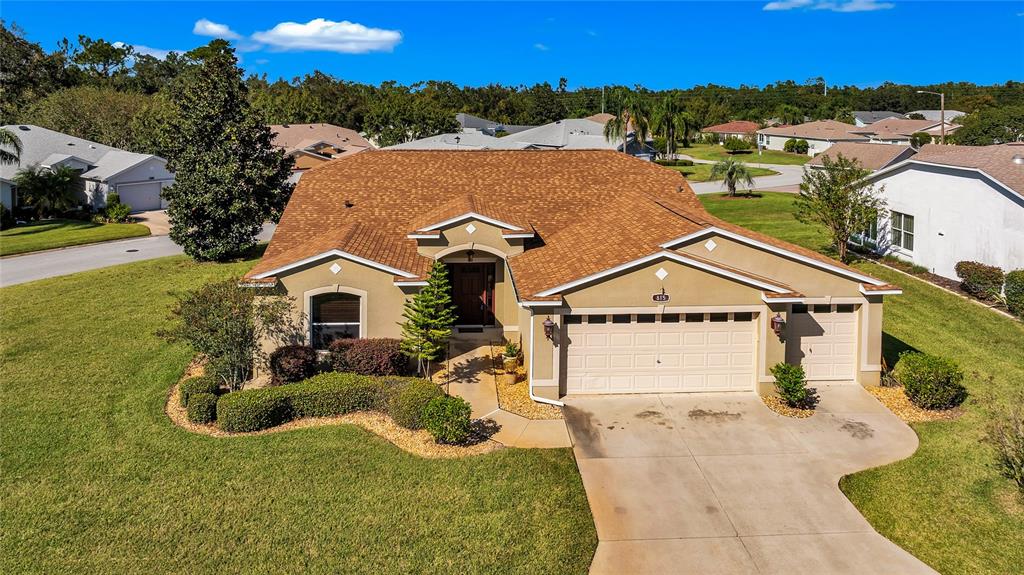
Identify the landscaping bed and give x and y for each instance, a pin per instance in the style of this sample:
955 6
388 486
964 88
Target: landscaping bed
897 401
514 391
51 234
778 406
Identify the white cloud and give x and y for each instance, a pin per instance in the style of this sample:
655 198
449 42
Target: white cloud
204 27
541 47
839 6
157 53
328 36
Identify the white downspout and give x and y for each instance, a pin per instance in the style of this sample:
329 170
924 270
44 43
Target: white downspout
533 356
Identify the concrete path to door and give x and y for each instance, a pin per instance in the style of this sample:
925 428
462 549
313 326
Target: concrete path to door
719 484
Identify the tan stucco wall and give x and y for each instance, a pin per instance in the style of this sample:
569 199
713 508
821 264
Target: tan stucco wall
869 352
506 309
774 347
803 278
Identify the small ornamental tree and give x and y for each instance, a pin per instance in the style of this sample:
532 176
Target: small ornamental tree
838 197
918 139
429 317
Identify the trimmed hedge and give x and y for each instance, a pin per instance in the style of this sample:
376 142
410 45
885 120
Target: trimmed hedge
202 407
1014 292
370 356
324 395
291 363
195 385
407 404
930 382
674 162
447 418
980 280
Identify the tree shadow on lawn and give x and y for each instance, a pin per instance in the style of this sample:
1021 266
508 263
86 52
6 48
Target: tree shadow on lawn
892 347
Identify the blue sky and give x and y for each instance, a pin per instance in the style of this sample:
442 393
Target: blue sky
860 42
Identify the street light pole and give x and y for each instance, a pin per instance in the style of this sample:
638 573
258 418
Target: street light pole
942 111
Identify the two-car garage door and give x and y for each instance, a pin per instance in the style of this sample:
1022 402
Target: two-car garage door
141 197
660 353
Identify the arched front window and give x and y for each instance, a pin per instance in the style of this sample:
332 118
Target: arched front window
334 316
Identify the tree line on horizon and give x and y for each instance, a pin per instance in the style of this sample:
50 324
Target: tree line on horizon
106 92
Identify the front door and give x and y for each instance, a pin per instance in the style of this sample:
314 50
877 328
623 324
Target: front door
472 292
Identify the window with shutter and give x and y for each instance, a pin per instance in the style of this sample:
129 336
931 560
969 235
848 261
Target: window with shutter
334 316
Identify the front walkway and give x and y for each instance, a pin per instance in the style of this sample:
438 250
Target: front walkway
473 380
717 483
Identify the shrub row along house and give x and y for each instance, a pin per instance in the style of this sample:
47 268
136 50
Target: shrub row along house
606 268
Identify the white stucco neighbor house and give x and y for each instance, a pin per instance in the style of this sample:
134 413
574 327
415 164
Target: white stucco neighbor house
948 204
137 178
820 135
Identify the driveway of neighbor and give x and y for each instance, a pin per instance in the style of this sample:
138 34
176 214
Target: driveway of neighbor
53 263
719 484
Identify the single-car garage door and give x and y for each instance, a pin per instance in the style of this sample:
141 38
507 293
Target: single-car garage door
663 353
141 197
823 338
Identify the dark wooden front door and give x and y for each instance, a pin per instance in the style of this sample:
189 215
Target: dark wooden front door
473 292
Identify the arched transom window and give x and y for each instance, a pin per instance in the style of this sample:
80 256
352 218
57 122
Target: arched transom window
334 316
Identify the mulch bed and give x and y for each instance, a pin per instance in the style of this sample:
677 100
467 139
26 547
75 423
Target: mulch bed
514 396
775 404
896 400
946 283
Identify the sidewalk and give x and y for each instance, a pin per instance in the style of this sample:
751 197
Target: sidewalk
474 382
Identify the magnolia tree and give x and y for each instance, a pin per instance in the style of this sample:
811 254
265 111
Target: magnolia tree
837 196
429 317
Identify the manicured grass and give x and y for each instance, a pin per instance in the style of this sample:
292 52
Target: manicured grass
96 479
49 234
946 504
715 153
702 172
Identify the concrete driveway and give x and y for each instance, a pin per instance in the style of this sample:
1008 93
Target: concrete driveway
718 483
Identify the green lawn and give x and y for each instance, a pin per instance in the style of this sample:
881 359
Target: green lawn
946 504
96 479
715 153
49 234
702 172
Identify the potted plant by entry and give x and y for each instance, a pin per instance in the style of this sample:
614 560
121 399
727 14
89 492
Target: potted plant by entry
510 356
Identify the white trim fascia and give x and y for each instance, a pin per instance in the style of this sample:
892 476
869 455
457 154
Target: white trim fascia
523 236
468 216
880 292
781 299
417 283
768 247
679 258
136 164
911 160
662 309
436 236
340 254
539 303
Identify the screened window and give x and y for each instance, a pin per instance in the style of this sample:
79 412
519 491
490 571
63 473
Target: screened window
334 316
903 231
868 237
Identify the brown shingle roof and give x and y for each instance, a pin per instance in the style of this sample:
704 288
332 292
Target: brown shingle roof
593 209
819 130
299 136
871 156
734 127
464 204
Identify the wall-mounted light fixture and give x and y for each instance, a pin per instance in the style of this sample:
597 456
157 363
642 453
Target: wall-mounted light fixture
469 256
549 328
778 324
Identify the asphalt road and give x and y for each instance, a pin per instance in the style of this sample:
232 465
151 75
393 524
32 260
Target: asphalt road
787 180
30 267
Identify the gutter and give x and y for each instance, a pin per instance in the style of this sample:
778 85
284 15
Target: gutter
533 348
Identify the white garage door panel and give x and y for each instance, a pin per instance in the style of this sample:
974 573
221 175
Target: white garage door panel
824 340
140 197
660 357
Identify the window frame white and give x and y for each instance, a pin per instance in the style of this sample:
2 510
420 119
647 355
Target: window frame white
897 228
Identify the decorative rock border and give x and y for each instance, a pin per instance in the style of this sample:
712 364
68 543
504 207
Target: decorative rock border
775 404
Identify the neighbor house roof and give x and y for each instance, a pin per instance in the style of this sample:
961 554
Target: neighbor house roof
818 130
471 122
601 117
734 127
47 147
902 128
871 156
935 115
470 140
573 134
292 137
872 117
592 210
997 162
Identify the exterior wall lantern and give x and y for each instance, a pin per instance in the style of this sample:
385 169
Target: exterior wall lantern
549 328
469 256
778 324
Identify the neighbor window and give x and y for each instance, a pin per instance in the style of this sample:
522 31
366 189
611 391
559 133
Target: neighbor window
334 316
903 231
868 237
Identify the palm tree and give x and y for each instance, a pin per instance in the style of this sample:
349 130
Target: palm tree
47 190
732 171
633 117
9 140
671 122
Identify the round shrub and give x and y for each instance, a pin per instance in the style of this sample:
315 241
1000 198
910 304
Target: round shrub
6 218
407 402
1014 292
979 280
202 408
291 363
252 410
791 383
734 144
447 419
337 353
330 394
931 382
195 385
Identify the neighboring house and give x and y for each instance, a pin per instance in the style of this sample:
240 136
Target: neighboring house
601 118
820 135
469 140
863 118
735 129
137 178
954 203
936 115
606 268
871 157
898 130
314 144
489 127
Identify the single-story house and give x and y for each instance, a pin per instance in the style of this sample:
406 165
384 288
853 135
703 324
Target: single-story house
314 144
936 115
137 178
820 135
871 157
862 118
736 129
605 267
948 204
469 122
899 130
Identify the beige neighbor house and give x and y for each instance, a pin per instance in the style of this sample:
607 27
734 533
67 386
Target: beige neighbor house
820 135
314 144
898 130
607 269
742 129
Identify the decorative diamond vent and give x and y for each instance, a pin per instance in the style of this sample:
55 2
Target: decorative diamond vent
661 273
470 228
335 268
710 245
